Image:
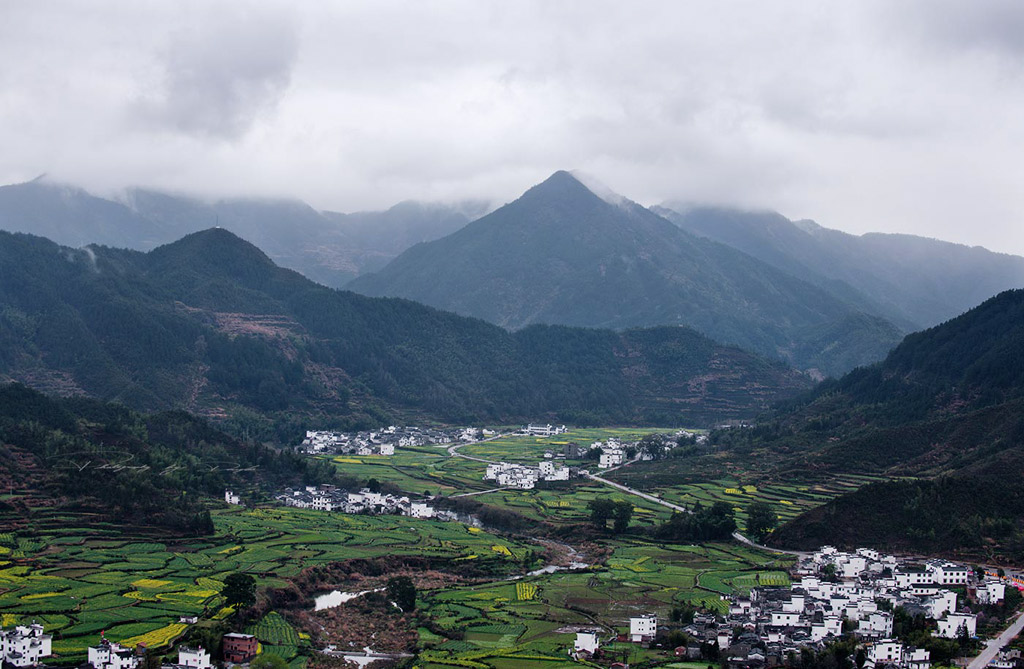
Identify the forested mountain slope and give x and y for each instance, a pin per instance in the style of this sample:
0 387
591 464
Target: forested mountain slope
945 407
915 282
561 254
84 455
211 325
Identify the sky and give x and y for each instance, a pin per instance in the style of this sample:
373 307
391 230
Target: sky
876 115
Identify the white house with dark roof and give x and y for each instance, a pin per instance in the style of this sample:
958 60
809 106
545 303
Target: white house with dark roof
25 645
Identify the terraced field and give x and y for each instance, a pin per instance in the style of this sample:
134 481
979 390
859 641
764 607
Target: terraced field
79 583
502 627
788 500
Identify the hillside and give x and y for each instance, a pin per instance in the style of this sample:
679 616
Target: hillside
211 325
560 254
327 247
116 465
915 282
946 406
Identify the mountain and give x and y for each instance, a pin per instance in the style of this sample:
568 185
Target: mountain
210 324
561 254
375 238
327 247
79 454
914 282
944 412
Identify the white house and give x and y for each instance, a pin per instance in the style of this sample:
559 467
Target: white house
418 510
830 625
611 457
886 651
949 627
785 618
24 646
889 651
948 573
109 655
991 592
877 625
643 628
940 603
586 642
194 658
231 498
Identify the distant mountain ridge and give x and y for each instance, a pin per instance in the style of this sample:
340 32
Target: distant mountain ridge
211 325
562 254
327 247
914 282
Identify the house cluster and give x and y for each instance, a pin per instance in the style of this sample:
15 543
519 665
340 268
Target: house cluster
24 646
385 441
333 498
543 430
110 655
858 590
613 452
642 629
509 475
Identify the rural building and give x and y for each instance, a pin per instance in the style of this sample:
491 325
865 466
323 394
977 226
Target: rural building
109 655
24 646
239 648
191 658
949 627
231 498
643 628
543 430
586 642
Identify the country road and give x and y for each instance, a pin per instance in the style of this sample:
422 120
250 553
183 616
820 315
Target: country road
453 450
992 646
642 495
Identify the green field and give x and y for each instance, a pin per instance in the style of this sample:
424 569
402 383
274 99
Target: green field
79 582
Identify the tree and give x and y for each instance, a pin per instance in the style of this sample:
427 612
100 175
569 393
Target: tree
402 591
239 590
623 514
761 520
601 511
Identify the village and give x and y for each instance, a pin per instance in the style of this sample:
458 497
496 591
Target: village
25 646
608 454
332 498
833 594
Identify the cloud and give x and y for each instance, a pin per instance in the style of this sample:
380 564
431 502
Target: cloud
222 72
881 115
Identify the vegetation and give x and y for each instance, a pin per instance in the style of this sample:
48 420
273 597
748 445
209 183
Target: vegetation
239 590
402 591
712 524
561 254
211 325
943 414
137 469
761 520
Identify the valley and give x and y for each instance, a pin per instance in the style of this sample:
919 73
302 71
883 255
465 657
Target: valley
80 576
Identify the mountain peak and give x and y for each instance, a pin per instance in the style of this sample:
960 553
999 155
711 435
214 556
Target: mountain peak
214 248
559 184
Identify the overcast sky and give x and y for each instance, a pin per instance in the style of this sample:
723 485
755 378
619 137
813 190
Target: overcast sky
877 115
